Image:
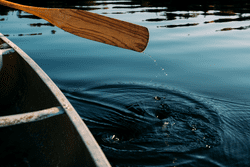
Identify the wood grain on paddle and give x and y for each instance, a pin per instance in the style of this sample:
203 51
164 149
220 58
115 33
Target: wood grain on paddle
91 26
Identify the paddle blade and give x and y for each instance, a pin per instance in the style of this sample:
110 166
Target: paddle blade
91 26
99 28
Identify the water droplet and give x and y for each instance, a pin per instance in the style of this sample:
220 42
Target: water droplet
113 137
157 98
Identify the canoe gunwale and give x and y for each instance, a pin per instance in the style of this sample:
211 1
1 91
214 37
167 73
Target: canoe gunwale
94 149
30 117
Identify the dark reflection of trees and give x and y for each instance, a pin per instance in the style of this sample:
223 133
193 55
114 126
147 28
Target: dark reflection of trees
168 8
4 10
30 34
41 24
181 25
237 28
19 15
221 8
33 34
236 6
51 4
229 20
55 3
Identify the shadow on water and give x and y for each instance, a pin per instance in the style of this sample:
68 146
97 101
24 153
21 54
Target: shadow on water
137 124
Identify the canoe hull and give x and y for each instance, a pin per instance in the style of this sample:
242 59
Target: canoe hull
51 142
62 139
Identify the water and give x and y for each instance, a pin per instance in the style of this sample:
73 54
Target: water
183 102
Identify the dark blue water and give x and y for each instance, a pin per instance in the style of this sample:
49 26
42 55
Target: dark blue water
183 102
150 125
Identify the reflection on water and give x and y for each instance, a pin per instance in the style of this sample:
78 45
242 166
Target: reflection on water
201 119
30 34
41 24
240 9
27 16
7 35
229 20
167 9
181 25
147 125
237 28
91 26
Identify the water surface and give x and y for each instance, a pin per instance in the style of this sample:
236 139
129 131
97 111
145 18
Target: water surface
183 102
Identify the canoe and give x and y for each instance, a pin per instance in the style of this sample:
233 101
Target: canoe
38 125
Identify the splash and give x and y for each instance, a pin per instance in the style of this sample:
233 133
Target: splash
156 64
132 121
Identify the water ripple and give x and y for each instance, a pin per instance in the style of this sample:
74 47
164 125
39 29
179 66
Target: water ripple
132 121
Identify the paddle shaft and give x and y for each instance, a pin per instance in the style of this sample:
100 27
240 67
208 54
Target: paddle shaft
91 26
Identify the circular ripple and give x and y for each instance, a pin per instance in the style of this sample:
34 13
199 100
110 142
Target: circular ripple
131 121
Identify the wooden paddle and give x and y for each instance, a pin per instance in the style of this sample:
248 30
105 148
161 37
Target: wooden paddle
91 26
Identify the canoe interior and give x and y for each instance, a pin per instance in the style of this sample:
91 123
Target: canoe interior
21 88
49 142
